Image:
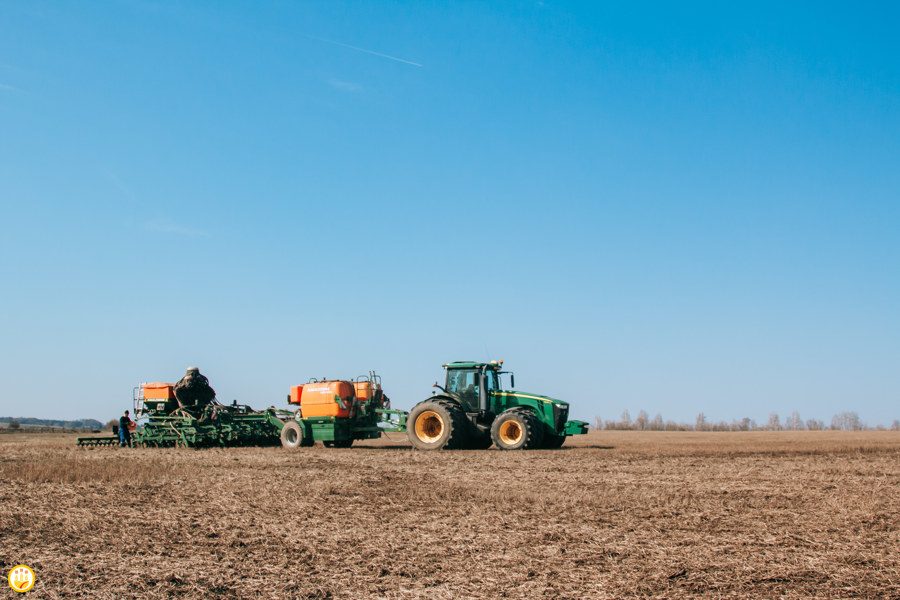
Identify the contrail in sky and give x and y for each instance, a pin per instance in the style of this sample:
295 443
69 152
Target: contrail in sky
358 49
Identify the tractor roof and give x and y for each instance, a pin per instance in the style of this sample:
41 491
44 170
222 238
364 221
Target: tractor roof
473 365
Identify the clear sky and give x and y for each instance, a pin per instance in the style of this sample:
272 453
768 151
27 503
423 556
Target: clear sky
675 207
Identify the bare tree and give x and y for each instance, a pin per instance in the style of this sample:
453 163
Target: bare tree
700 424
847 421
13 424
895 426
657 423
743 425
643 421
774 423
626 420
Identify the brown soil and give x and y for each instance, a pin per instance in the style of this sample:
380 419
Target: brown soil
611 515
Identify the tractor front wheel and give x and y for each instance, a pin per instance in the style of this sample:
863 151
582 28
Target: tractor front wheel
517 429
292 435
436 425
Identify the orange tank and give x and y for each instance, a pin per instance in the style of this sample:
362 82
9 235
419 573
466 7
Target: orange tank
363 390
159 391
326 399
296 393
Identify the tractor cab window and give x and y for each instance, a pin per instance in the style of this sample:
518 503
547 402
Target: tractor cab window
490 381
456 381
465 383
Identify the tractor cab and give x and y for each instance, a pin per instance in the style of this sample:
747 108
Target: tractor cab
474 383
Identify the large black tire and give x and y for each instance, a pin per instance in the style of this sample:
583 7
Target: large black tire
338 443
437 425
552 441
517 429
292 435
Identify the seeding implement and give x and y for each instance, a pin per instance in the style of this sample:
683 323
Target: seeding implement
333 412
162 422
470 411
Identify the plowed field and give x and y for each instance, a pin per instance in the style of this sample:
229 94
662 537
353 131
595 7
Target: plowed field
611 515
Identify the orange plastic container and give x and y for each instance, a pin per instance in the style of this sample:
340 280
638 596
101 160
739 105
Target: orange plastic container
296 393
326 399
159 391
363 390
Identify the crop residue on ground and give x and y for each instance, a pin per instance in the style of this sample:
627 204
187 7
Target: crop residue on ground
611 515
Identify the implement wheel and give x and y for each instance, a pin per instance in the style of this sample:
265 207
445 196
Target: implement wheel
436 425
517 429
292 435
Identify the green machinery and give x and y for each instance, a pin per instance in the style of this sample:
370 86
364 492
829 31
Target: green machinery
213 425
333 412
162 422
472 410
338 412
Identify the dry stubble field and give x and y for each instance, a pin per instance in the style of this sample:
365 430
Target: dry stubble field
612 514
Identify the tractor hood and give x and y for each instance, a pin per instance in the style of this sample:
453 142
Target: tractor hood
538 397
552 412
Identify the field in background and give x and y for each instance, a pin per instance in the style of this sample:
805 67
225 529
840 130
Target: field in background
612 514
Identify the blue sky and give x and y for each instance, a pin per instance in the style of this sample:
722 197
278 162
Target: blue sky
676 208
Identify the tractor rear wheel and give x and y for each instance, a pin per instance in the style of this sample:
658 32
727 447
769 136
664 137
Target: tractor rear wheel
552 442
436 425
517 429
292 435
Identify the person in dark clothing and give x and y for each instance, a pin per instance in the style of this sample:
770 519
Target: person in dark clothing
193 389
125 430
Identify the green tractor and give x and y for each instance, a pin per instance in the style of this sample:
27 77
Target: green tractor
472 411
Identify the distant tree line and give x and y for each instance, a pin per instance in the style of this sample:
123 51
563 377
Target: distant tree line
845 421
19 422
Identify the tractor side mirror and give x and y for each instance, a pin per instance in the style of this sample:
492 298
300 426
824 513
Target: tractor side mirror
512 380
